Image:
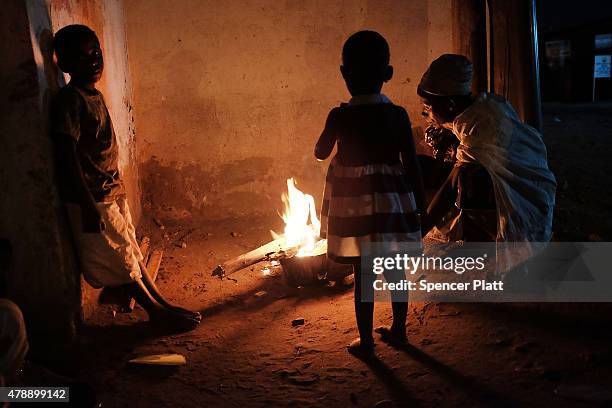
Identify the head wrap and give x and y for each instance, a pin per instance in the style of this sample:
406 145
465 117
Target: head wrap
449 75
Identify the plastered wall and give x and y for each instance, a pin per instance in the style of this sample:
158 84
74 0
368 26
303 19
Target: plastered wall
230 97
40 276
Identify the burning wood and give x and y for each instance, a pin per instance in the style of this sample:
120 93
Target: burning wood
300 238
274 250
302 226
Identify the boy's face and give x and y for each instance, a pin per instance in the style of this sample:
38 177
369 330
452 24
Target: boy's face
85 64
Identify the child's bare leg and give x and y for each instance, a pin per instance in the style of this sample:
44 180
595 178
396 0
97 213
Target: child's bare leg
140 293
400 312
154 291
399 299
159 313
364 314
397 332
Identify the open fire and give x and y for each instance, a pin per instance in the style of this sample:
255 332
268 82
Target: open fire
300 240
302 226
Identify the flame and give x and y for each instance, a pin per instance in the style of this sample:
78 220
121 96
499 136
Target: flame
302 226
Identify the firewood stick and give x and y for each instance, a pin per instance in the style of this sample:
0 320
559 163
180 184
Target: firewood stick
145 245
272 250
153 265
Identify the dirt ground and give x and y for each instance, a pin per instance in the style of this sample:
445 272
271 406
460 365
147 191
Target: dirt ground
247 353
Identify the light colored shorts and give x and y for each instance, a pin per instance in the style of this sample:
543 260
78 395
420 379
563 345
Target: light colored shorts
109 258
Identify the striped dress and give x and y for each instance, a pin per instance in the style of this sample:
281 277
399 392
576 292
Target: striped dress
368 195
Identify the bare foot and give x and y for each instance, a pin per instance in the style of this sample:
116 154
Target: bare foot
176 321
391 335
361 350
182 310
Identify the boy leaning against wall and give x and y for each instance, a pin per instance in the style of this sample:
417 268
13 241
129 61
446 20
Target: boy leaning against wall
91 185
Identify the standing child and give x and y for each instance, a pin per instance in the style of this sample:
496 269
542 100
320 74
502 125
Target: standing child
90 183
373 180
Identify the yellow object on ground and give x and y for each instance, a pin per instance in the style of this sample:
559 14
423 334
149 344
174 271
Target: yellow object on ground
160 359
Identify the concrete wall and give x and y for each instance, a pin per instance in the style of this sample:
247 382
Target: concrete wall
43 277
230 97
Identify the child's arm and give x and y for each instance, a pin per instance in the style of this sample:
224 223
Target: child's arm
328 137
66 131
411 163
